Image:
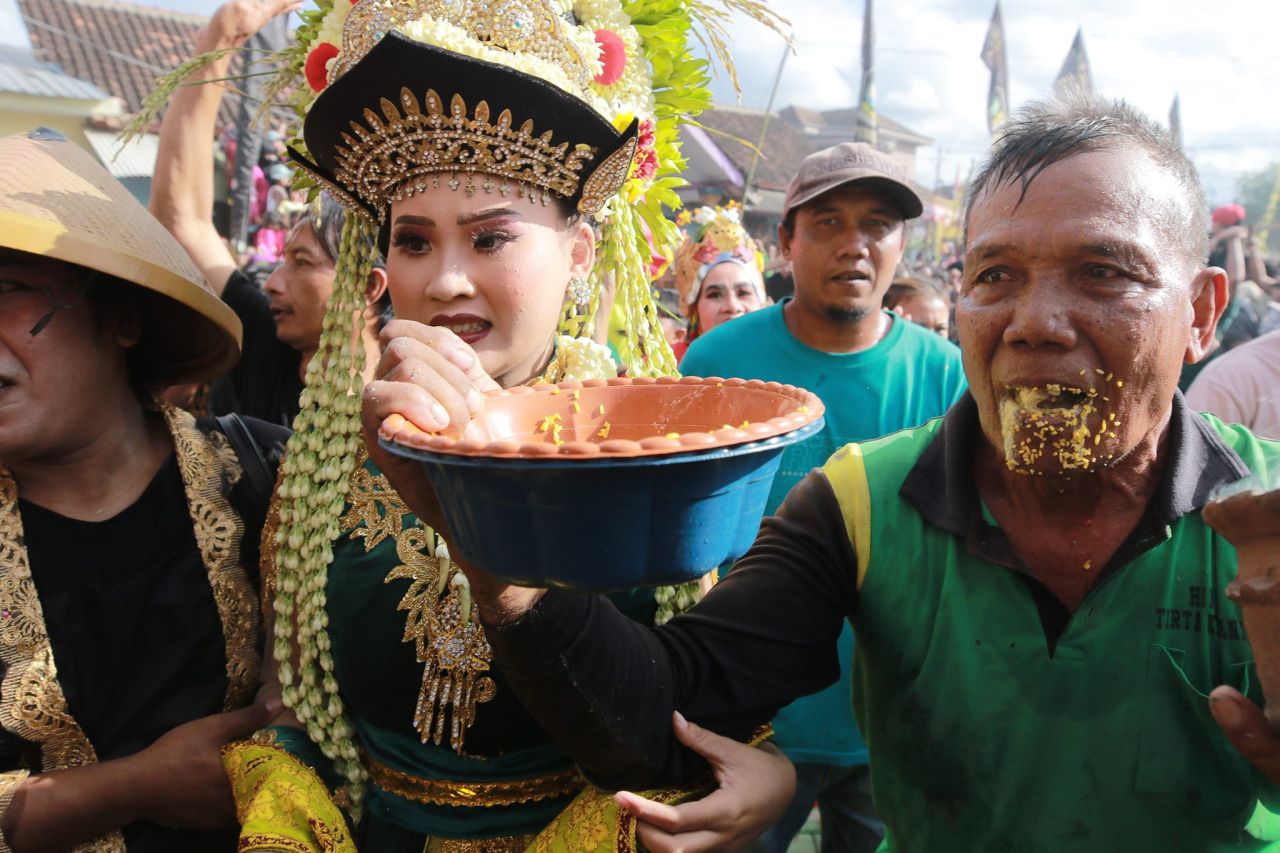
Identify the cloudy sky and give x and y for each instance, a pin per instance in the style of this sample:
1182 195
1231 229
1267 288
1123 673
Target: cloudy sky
1217 54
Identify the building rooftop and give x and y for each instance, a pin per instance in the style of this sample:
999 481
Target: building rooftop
120 47
784 147
21 73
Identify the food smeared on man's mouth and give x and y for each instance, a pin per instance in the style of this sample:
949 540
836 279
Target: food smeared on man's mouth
1065 422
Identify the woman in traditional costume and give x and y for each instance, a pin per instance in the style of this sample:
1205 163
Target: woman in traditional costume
129 631
484 143
718 271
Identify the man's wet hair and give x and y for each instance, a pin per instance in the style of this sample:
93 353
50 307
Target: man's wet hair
326 217
1043 133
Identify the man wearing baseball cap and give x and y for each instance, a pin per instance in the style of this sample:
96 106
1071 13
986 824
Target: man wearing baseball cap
844 231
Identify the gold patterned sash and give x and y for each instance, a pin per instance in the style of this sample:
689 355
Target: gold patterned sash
442 792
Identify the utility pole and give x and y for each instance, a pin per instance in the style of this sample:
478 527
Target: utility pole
764 126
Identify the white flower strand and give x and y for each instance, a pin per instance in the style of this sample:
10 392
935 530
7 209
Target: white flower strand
322 453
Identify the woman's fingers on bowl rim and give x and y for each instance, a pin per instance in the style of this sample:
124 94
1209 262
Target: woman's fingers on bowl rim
420 408
424 366
452 347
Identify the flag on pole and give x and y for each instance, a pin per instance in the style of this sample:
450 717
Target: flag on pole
1075 69
867 96
1175 121
993 55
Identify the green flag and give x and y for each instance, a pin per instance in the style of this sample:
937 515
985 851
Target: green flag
993 55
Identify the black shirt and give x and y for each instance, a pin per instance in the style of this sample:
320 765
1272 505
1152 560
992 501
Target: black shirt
136 634
265 383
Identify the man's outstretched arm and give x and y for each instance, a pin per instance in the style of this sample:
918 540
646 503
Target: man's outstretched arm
604 686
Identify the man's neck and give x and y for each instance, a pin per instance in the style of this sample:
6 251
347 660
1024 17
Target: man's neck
372 353
101 473
1066 528
816 330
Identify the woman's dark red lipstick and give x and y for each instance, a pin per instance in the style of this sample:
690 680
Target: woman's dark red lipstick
470 328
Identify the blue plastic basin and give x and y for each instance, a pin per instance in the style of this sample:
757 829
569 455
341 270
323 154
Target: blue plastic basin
605 524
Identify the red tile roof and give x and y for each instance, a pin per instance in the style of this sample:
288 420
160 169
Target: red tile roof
785 146
120 47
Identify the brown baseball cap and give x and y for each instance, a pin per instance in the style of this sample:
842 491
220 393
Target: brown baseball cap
847 163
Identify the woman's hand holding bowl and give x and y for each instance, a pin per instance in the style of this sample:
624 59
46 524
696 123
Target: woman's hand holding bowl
430 381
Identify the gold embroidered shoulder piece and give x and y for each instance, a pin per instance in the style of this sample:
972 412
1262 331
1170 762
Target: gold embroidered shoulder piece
208 474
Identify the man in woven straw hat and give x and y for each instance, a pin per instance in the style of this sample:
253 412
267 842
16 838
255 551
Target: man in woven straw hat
129 628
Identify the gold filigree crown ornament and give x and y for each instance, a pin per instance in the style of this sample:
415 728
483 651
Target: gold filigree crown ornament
576 102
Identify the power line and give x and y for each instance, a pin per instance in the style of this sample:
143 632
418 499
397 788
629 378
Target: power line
123 57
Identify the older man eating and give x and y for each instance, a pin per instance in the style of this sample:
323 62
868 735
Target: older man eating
1041 608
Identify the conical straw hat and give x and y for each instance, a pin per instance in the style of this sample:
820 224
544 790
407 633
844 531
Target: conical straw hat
56 200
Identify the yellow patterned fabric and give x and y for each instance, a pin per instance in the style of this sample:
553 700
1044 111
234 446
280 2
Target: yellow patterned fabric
595 823
292 814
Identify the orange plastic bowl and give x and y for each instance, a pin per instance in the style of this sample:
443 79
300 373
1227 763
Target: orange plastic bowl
614 483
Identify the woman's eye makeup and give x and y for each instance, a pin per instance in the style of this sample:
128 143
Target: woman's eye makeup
492 239
408 240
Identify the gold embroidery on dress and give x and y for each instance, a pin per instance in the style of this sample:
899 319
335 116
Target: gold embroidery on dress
207 479
505 844
453 649
32 704
268 548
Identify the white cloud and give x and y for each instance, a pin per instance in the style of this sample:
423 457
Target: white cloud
930 77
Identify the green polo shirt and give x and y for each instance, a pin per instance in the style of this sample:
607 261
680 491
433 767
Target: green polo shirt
996 720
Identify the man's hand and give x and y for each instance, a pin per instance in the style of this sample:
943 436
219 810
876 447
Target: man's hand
236 22
180 780
1248 730
755 786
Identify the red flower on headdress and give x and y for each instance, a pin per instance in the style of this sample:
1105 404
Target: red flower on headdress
613 57
707 252
317 66
644 165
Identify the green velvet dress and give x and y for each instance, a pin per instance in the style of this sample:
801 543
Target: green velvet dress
502 777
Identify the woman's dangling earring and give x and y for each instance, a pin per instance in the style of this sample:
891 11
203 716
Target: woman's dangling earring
579 291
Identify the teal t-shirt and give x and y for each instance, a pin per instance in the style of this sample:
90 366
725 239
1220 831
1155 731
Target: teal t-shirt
910 376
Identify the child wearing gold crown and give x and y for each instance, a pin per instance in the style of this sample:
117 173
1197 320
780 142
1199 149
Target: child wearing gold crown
507 156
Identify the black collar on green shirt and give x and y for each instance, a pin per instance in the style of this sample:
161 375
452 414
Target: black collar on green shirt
941 487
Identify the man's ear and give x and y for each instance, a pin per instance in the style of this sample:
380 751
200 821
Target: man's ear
1208 302
127 319
784 240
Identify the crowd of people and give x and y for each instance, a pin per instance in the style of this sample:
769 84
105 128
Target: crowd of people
983 610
